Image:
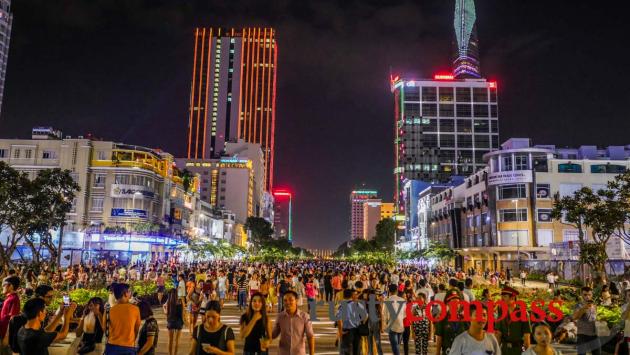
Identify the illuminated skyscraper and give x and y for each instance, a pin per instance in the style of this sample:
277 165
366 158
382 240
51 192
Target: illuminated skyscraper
358 198
444 126
466 63
6 20
233 92
283 214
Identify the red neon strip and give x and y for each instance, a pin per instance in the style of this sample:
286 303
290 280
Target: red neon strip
205 110
192 94
273 114
203 46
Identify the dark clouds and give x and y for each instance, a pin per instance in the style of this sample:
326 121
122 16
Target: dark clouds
121 69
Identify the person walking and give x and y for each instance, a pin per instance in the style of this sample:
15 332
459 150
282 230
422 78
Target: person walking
543 337
350 315
523 277
242 285
293 326
256 327
375 323
194 301
585 315
475 340
212 336
122 323
174 310
514 336
10 308
421 326
148 336
393 322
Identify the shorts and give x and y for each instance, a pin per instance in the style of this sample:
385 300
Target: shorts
221 294
161 289
175 324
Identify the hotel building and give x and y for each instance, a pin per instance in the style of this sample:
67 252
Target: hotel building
233 93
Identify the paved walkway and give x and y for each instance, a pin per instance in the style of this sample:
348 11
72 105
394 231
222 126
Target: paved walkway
325 334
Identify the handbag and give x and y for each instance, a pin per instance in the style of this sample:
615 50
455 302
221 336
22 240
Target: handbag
363 329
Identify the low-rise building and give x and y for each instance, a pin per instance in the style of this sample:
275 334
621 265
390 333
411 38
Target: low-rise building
133 201
500 217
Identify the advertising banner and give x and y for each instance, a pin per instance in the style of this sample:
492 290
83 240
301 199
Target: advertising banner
129 191
510 177
128 212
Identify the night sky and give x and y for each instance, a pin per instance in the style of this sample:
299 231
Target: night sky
122 71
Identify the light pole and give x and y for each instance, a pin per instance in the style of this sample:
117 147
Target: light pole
518 239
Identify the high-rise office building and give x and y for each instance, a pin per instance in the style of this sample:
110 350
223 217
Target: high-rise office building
357 212
444 126
283 210
371 217
6 19
466 62
233 92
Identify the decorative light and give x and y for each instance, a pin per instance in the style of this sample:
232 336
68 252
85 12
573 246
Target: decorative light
492 85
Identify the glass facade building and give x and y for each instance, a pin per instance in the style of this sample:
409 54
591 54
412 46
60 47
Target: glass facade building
442 128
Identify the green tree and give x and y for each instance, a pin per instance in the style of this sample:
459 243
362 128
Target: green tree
53 192
32 210
603 213
385 234
620 188
187 178
437 251
14 211
261 231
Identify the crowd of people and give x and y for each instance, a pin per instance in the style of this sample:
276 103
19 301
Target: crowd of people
275 300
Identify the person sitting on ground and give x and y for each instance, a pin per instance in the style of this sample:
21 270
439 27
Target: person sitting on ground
32 338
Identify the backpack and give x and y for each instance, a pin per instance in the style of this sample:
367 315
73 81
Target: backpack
15 324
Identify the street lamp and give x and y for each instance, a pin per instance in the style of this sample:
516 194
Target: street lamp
518 239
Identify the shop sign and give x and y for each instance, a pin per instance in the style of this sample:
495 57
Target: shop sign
129 191
510 177
128 212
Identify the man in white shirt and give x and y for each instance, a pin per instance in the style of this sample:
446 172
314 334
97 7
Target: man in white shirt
441 293
468 289
551 280
394 278
426 289
393 315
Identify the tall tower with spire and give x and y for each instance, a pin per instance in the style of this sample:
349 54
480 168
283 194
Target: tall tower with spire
466 63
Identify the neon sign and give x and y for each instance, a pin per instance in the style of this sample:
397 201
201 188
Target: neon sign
443 77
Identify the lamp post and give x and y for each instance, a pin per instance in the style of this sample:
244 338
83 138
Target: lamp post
518 239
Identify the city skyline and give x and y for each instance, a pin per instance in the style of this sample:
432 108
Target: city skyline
124 74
